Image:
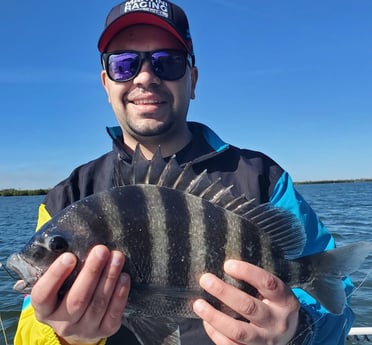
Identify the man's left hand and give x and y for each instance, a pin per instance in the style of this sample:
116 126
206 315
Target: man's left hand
272 318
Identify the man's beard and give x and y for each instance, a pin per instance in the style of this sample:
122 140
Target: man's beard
159 130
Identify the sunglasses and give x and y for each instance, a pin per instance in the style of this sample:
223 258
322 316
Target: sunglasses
167 64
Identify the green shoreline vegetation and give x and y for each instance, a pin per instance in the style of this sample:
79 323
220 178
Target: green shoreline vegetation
23 192
26 192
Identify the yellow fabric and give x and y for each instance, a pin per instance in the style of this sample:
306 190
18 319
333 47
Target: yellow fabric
43 216
30 331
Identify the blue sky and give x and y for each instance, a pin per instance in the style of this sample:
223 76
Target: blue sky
290 78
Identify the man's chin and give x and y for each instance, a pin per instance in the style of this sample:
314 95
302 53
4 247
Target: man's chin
153 130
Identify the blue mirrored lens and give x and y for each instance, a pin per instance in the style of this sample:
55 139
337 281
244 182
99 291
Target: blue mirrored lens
166 64
123 67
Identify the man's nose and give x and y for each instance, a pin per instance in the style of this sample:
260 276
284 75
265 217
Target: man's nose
146 75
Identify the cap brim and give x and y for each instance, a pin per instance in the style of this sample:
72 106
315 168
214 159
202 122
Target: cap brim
131 19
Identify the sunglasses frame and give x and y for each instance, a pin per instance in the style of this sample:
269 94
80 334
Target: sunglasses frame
144 55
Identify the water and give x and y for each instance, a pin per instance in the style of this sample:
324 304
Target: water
346 209
17 223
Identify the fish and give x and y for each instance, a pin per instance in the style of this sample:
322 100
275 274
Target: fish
173 225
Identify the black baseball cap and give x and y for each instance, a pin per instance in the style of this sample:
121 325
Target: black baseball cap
161 13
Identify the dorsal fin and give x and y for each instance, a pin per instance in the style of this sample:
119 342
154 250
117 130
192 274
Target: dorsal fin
284 230
158 171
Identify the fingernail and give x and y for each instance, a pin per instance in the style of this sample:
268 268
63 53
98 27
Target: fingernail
67 259
124 278
206 281
198 306
116 259
230 265
100 253
123 281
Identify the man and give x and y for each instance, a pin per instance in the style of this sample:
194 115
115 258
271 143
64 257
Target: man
149 76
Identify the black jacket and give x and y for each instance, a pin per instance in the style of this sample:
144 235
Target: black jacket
251 173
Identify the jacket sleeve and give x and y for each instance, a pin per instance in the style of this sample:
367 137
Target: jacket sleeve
30 331
328 329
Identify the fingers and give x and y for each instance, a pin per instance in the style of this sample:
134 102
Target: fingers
96 297
96 265
110 296
43 295
270 287
220 327
115 310
250 308
93 307
272 318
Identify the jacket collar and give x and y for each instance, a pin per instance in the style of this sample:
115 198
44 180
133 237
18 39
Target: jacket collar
205 144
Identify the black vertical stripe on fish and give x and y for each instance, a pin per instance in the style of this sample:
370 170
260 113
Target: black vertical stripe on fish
215 232
252 250
89 214
236 227
215 238
287 270
179 246
296 271
134 218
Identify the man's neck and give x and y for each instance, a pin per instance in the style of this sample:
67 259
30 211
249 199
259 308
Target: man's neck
167 146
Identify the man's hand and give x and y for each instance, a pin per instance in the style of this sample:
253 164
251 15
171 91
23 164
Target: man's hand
93 307
272 319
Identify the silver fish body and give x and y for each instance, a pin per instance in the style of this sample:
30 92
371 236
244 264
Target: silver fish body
173 226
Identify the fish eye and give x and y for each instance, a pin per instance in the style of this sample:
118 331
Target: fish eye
58 244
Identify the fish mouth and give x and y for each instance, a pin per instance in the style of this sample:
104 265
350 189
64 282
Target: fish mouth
26 271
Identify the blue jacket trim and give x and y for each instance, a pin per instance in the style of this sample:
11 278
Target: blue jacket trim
212 138
26 302
114 132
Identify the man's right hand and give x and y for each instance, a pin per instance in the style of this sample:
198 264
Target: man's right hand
93 307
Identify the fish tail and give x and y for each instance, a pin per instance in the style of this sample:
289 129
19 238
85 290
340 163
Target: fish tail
329 268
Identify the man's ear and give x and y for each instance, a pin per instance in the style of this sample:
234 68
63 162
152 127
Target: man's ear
194 80
104 79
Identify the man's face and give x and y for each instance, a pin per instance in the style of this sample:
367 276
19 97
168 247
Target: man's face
146 107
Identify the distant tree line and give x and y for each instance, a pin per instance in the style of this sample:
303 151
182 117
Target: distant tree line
22 192
25 192
335 181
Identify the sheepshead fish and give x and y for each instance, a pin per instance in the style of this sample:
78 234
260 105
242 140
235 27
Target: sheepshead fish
173 226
